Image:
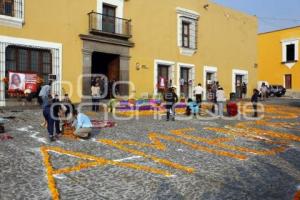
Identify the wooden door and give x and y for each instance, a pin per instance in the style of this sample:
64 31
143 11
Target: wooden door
114 69
288 81
238 85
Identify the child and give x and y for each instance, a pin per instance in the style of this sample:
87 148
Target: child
192 107
254 100
171 98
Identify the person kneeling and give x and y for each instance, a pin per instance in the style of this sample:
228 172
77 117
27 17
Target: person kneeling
83 125
192 107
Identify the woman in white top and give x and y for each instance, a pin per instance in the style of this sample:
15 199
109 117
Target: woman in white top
95 96
220 100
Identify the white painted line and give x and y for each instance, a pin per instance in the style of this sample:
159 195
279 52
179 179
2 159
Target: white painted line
94 140
172 176
261 138
60 142
129 158
59 176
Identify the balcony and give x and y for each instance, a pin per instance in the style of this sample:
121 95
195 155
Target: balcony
100 24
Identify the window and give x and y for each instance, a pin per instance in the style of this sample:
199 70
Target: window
290 52
7 7
12 13
29 60
187 21
185 34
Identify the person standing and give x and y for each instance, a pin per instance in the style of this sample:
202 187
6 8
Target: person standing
56 106
263 91
214 89
198 91
95 89
43 95
254 100
171 98
49 117
83 125
220 94
244 90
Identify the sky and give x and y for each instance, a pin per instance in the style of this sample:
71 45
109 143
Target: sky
272 14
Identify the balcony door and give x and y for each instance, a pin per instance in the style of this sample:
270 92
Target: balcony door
109 18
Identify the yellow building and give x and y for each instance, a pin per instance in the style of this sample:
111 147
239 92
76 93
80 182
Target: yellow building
194 40
279 58
178 41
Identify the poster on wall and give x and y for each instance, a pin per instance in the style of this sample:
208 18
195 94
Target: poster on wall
22 81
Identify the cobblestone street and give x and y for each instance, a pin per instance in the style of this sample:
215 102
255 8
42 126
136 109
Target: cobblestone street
154 159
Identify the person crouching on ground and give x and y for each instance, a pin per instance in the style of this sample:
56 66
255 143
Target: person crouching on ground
192 107
254 100
82 124
171 98
220 100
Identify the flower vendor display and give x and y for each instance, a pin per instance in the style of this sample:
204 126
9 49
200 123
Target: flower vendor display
145 107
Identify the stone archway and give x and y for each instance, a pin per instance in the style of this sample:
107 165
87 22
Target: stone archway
105 45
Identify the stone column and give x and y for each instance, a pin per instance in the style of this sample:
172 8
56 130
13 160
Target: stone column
124 75
87 70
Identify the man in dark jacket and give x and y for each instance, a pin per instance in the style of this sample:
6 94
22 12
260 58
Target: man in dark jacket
171 98
56 109
49 118
254 100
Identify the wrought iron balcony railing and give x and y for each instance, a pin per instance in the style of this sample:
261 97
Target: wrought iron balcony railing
104 24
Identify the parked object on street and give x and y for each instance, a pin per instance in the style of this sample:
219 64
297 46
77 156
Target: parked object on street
232 109
276 90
